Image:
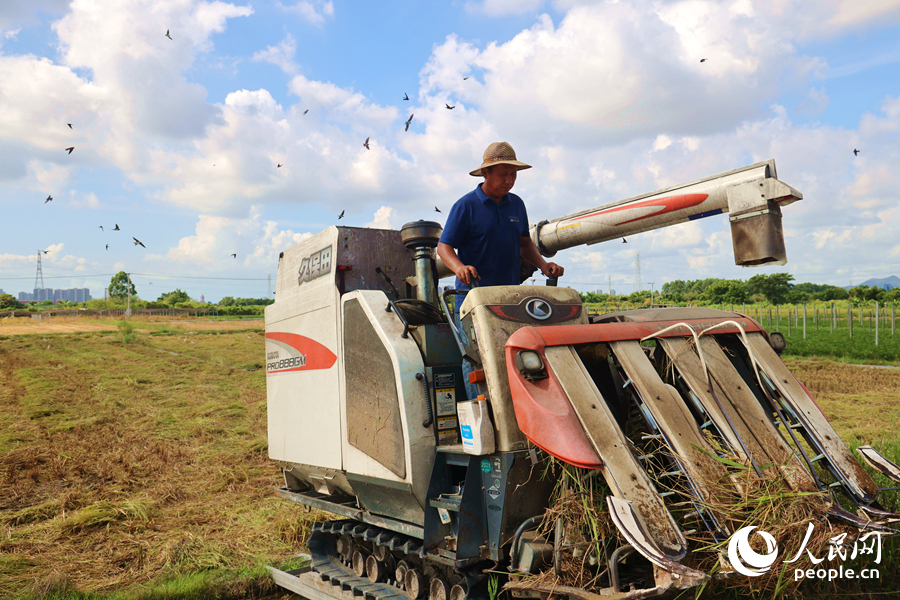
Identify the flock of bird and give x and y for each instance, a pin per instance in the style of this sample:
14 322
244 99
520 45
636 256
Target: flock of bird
137 242
366 145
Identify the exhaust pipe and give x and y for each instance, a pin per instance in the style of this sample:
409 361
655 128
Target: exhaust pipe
422 238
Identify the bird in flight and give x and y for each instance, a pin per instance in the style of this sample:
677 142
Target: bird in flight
408 122
167 34
101 227
69 149
46 252
405 96
624 241
49 198
117 228
464 78
855 152
366 144
70 125
436 209
138 242
107 246
702 60
279 166
305 111
449 107
233 255
341 216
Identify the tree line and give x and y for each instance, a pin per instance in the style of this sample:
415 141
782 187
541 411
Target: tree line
774 289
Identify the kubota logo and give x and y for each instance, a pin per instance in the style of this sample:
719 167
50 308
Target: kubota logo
747 561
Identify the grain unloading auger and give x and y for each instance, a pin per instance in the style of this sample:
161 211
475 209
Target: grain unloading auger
434 493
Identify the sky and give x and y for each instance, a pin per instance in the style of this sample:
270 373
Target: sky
177 139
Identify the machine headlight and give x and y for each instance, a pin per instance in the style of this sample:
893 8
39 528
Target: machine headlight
530 365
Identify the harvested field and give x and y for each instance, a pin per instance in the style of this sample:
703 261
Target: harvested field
128 464
55 325
141 467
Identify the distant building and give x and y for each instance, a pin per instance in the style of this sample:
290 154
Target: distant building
202 297
42 294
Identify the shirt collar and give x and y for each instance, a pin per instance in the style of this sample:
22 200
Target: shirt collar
484 197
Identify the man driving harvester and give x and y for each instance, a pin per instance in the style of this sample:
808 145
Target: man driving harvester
489 227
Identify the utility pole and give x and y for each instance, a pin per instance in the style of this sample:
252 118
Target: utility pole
38 277
128 289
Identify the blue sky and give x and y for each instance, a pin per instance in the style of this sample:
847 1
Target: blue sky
177 141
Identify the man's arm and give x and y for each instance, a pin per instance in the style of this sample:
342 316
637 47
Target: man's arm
530 253
464 273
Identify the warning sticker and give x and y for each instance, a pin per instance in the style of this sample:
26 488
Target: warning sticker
446 423
444 380
446 402
448 437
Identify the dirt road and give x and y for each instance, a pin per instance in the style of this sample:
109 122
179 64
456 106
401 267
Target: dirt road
52 325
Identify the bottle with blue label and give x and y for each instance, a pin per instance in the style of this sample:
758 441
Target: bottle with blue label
475 426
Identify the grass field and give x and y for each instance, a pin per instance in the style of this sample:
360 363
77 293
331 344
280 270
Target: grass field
138 466
133 463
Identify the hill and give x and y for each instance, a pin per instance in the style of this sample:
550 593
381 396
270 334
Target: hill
892 281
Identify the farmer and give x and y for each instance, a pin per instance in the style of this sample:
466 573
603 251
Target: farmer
488 227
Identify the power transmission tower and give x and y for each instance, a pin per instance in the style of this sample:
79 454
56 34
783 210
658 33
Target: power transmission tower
39 276
638 287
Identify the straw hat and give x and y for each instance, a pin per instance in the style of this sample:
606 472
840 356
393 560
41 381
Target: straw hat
499 153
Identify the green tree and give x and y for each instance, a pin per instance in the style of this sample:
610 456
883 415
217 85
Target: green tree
676 290
226 301
120 286
174 297
774 287
7 301
830 293
727 292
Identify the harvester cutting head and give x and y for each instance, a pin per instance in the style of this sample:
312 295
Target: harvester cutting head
665 403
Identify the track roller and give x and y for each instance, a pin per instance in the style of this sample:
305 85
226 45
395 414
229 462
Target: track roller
438 589
359 563
376 570
415 584
457 592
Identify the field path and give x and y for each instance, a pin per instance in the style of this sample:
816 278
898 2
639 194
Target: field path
29 326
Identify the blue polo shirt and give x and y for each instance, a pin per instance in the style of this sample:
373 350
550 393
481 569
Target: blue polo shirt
487 235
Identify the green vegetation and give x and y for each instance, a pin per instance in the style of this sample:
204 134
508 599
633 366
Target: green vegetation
772 290
121 287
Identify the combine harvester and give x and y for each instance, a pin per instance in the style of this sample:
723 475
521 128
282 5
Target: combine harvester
433 493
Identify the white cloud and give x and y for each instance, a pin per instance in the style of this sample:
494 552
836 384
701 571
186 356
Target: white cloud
313 11
382 218
256 242
282 55
87 200
500 8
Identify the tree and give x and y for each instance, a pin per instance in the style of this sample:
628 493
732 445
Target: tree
120 286
774 287
7 301
226 301
727 292
174 297
676 290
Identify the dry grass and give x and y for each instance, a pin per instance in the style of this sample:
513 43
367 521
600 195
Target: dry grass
126 464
